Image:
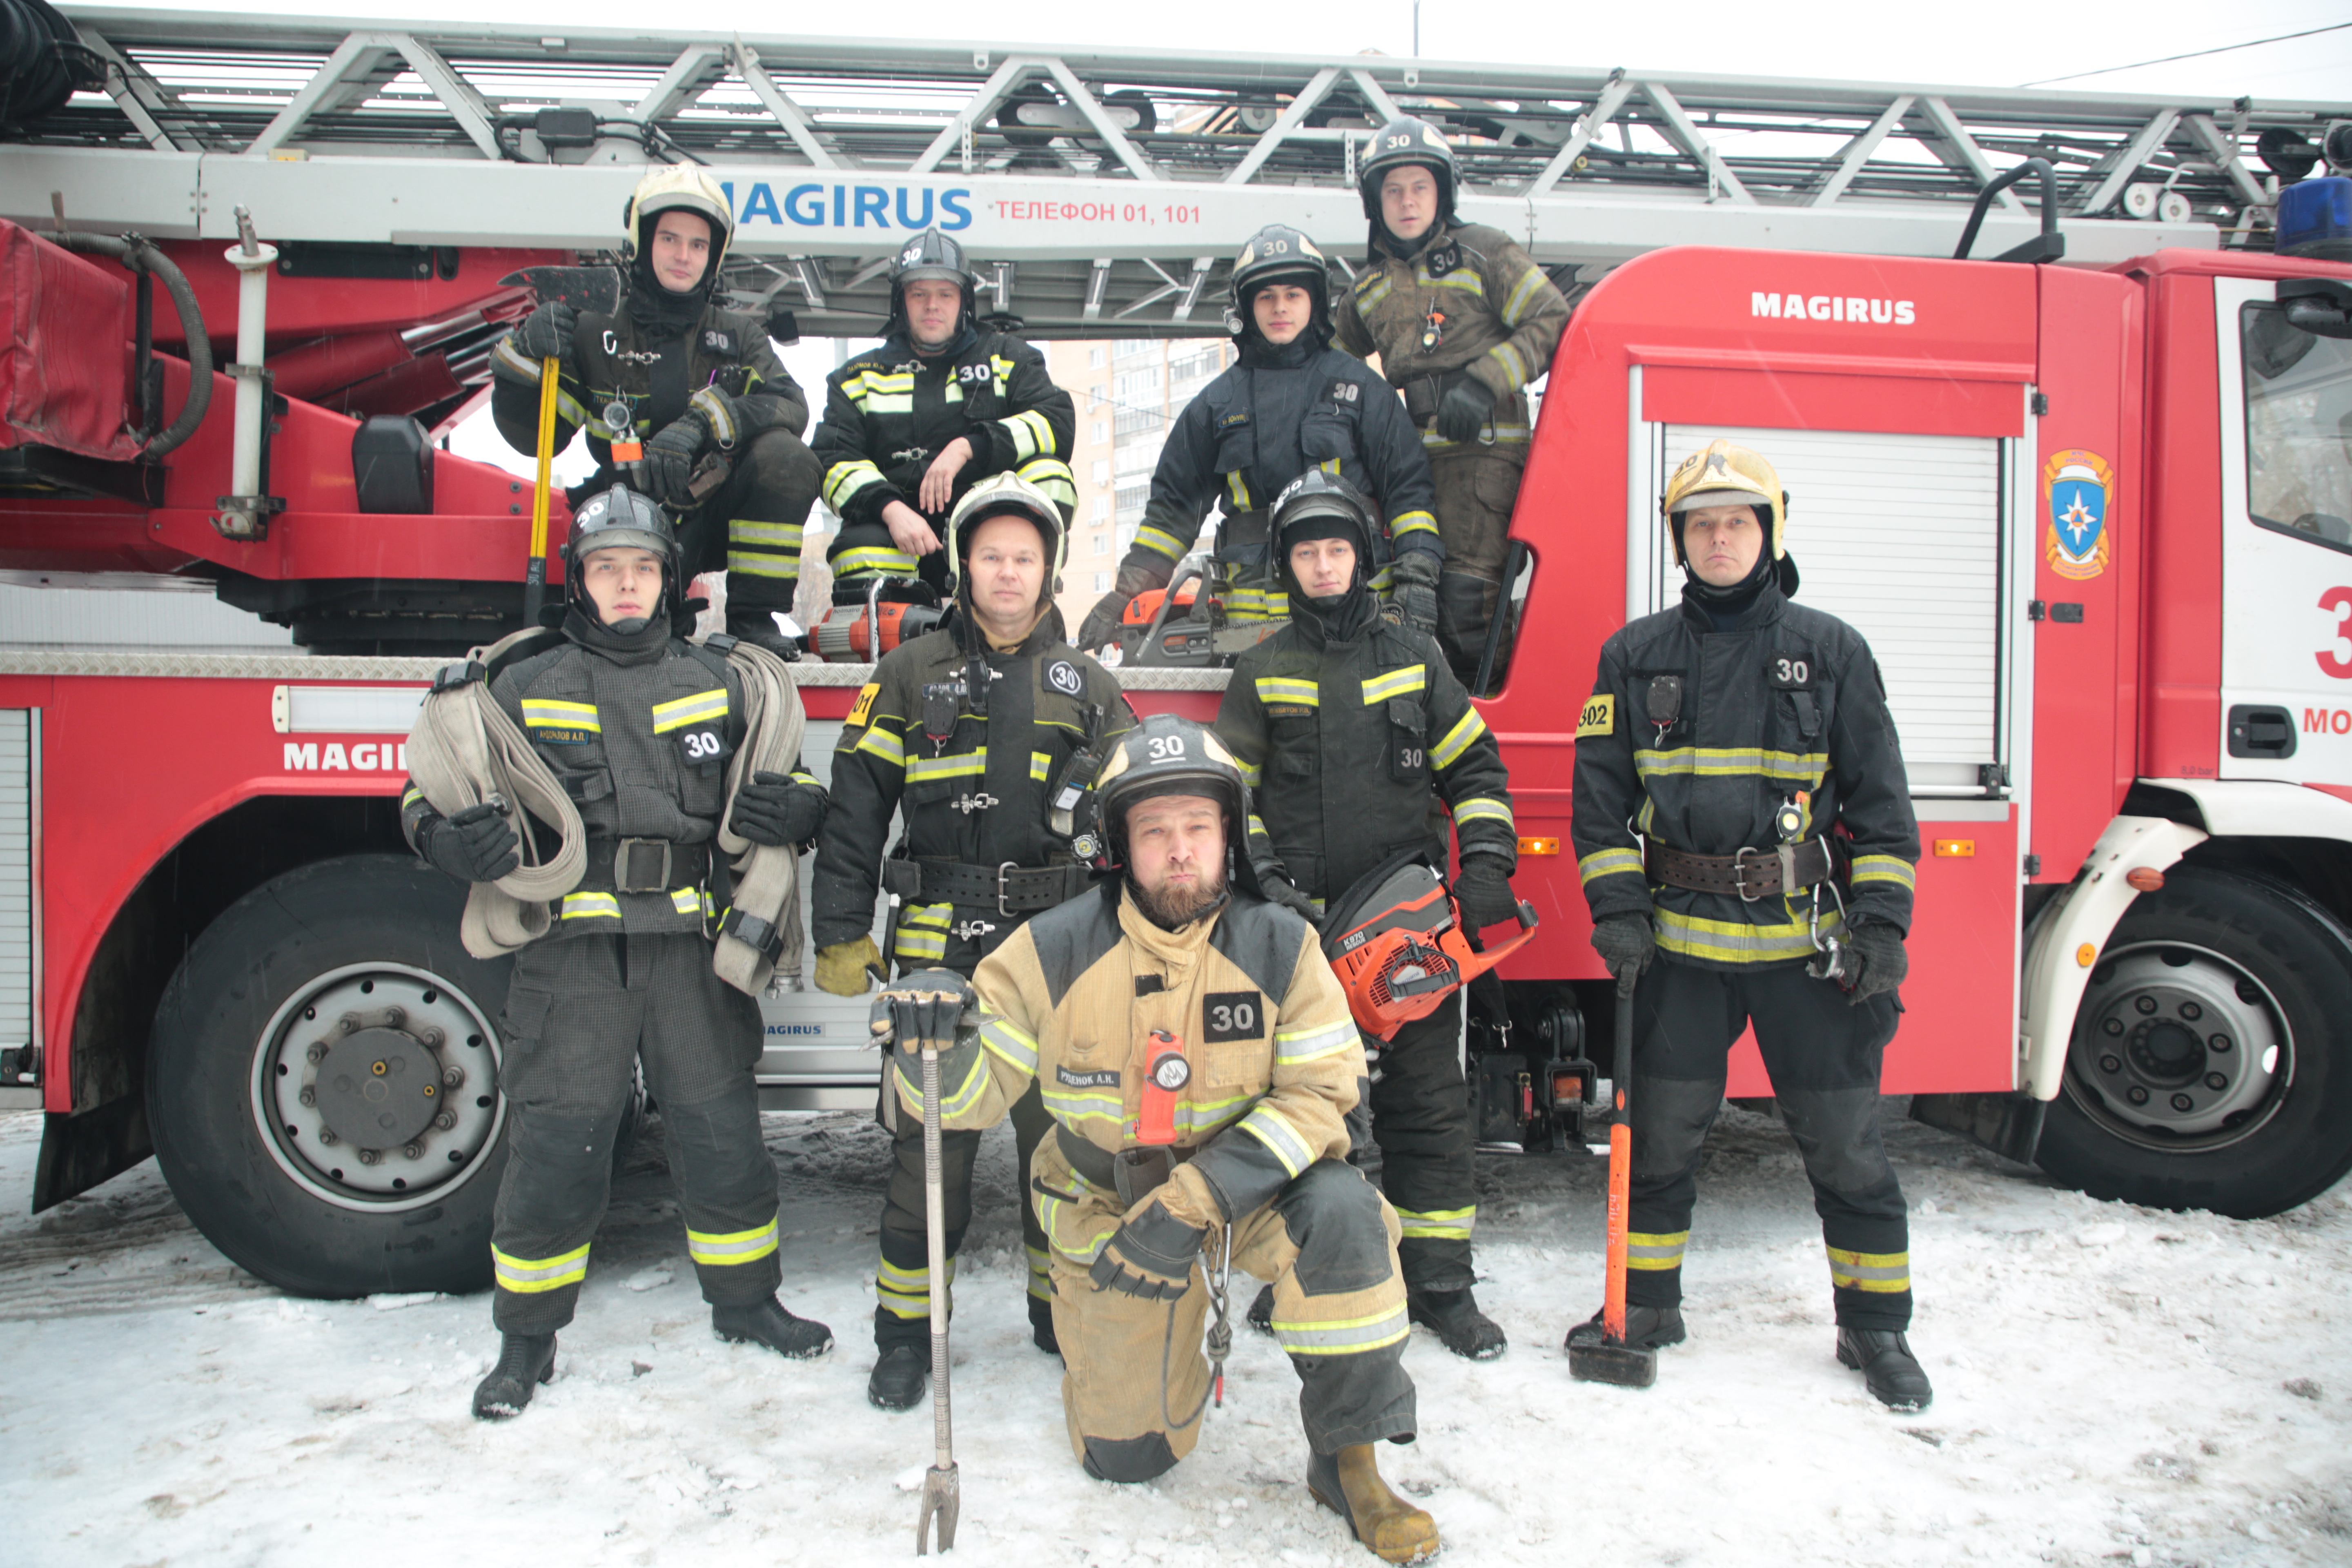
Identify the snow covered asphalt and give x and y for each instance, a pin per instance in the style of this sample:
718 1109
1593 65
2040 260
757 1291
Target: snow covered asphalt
2113 1385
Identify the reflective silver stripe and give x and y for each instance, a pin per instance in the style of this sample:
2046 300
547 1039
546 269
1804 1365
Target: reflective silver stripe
1351 1337
1885 869
1440 1225
907 1293
530 1276
732 1247
1273 1129
1482 808
1659 1251
1609 863
1736 942
1458 740
1008 1042
1293 1046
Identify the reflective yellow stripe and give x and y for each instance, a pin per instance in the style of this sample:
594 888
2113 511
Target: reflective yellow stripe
1514 364
686 901
954 1100
1251 773
1052 476
971 766
1255 605
1403 682
1374 289
1482 808
1881 1273
1293 1047
1885 869
750 530
868 558
921 944
1159 540
907 1293
1238 488
1040 765
1504 435
752 565
1530 283
1440 1225
1351 1336
880 743
843 480
1609 863
1209 1116
679 712
1458 740
1032 433
1041 1274
1410 523
1283 689
1004 1039
1733 762
1073 1106
590 906
546 713
410 796
731 1248
1655 1251
1273 1129
1736 941
529 1275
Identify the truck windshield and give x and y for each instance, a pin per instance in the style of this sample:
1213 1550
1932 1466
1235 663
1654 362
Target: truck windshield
2298 429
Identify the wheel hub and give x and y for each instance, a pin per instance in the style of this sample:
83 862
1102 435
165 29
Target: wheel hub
379 1089
2176 1046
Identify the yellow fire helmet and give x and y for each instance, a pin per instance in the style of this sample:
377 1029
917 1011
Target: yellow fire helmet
680 187
1008 495
1726 475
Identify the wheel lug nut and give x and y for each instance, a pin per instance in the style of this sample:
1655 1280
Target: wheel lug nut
393 1017
2215 1080
2220 1042
2146 1004
2136 1094
309 1097
348 1022
327 1136
451 1076
2182 1102
2191 1011
369 1156
316 1054
434 1038
417 1151
445 1121
2112 1026
2111 1063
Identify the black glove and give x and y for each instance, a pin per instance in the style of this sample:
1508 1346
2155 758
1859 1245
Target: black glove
1876 957
546 332
1484 893
1280 890
475 845
922 1009
773 809
1626 944
1412 590
1463 413
669 460
1101 625
1151 1255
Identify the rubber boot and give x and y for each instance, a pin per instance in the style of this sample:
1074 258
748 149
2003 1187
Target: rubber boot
1348 1483
1646 1327
1261 1311
767 1323
758 626
898 1379
1889 1369
1460 1326
525 1361
1041 1327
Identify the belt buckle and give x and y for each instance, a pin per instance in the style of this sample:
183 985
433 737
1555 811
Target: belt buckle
622 868
1739 875
1003 888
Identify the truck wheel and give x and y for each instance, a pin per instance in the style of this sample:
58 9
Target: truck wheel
2207 1067
322 1083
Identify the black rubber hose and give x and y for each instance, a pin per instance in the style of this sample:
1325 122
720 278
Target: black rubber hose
43 61
138 255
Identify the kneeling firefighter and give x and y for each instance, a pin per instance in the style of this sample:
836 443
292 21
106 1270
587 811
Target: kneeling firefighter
1463 320
1290 403
942 404
697 387
1744 831
1198 1061
967 733
620 737
1352 730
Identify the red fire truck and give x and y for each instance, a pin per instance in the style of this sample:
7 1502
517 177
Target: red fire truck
2094 522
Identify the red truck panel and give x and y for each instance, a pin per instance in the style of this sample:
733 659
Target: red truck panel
2181 735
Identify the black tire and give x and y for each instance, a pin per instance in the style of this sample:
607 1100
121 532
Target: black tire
2208 1067
254 1164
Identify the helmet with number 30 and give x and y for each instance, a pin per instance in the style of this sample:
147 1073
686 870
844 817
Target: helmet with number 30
1166 756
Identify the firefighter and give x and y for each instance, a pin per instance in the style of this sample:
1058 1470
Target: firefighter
967 732
617 710
699 387
1198 1060
1346 727
1743 826
1291 402
1463 320
942 404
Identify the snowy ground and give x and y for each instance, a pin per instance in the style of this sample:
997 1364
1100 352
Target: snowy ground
2111 1385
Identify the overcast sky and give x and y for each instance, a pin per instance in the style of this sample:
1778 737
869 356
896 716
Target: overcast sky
1986 42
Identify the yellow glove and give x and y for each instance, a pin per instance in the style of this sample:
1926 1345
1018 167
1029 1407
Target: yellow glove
844 967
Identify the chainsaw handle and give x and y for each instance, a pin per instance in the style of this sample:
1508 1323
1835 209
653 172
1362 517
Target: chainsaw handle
1193 566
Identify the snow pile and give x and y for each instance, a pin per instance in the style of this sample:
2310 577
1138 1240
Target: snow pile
2114 1387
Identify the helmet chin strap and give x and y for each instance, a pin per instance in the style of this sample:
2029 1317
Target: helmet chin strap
629 625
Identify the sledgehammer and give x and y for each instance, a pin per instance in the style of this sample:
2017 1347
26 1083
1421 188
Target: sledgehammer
1610 1359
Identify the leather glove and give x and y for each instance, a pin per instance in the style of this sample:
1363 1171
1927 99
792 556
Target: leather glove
843 968
475 845
1874 950
1101 625
773 809
546 332
1626 944
921 1009
669 460
1151 1255
1412 590
1280 890
1484 891
1463 413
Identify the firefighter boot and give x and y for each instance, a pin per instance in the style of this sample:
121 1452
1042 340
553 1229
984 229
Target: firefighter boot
1261 1311
1888 1369
758 626
525 1361
1460 1326
897 1381
1041 1327
767 1323
1646 1327
1348 1483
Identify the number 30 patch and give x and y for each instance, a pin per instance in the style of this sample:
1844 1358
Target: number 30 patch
1233 1016
703 745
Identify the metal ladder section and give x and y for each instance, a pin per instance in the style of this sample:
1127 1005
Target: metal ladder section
1100 191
